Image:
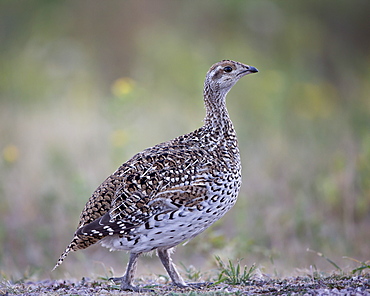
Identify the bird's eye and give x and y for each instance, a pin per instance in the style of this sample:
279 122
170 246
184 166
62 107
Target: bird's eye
228 69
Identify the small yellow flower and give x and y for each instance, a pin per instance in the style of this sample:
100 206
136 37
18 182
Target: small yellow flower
123 86
119 138
11 153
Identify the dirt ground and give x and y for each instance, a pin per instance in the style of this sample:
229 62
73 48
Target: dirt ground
332 285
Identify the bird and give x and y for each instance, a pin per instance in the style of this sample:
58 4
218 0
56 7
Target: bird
171 192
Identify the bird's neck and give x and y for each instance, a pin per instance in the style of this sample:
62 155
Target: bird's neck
217 116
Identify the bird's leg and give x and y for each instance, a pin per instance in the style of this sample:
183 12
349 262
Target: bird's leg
126 280
164 255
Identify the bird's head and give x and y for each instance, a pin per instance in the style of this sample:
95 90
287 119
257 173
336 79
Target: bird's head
222 76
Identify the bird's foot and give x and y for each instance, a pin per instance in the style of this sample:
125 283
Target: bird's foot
128 287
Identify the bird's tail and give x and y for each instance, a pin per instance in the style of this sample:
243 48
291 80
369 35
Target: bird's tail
73 246
62 257
77 243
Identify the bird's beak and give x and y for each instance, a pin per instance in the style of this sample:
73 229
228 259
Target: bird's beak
250 69
253 69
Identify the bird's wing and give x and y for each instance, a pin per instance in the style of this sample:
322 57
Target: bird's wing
129 212
164 186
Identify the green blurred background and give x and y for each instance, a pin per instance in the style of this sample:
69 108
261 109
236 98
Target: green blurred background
86 84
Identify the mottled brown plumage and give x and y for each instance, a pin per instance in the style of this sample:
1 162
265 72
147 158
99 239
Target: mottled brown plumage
170 192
